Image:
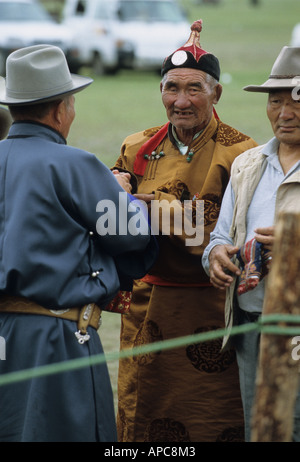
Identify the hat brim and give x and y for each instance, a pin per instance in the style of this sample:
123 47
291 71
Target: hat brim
78 83
272 85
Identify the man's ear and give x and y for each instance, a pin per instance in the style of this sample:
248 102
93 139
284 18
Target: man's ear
218 92
58 112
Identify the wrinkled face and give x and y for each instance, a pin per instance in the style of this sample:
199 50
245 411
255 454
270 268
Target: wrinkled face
284 114
188 97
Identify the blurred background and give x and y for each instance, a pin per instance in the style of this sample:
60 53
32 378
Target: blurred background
121 44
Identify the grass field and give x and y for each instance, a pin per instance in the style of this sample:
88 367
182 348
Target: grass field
246 39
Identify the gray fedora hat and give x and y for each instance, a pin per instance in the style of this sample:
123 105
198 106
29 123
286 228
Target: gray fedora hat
5 122
38 74
285 73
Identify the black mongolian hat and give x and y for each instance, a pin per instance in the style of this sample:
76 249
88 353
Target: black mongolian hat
191 55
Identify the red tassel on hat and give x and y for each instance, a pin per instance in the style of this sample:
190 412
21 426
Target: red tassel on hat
193 43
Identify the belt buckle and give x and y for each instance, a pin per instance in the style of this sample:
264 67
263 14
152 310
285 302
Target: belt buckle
83 323
82 338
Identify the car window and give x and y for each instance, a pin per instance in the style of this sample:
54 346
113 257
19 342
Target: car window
102 11
18 11
150 11
81 7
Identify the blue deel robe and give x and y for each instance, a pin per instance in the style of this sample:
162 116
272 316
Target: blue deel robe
52 199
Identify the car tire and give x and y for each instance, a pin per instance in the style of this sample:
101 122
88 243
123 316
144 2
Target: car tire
2 63
97 65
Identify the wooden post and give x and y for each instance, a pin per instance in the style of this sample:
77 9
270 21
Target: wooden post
278 372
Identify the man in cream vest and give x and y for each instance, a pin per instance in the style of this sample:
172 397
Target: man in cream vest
264 180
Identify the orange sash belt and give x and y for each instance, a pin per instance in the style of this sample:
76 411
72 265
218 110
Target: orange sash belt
157 281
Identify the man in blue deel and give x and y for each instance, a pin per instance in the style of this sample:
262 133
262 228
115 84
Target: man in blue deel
58 268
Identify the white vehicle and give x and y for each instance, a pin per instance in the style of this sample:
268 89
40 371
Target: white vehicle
24 23
93 21
154 28
135 34
295 40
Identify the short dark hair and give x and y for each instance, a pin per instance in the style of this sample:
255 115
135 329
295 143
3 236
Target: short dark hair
32 111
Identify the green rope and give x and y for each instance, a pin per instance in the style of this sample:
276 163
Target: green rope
279 317
74 364
279 329
71 365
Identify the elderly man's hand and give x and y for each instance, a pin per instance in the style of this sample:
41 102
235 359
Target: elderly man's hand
123 178
220 266
265 236
145 197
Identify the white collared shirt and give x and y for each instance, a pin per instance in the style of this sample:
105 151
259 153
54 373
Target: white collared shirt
181 146
260 214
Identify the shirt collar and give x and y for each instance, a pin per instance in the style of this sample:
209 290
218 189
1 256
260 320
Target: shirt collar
28 129
270 150
181 146
271 147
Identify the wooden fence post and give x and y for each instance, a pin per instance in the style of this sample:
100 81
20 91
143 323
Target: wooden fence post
278 373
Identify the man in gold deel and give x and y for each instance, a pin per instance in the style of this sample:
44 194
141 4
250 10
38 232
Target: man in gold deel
189 393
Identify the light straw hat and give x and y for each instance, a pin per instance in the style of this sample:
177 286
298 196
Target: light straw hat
38 74
285 73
